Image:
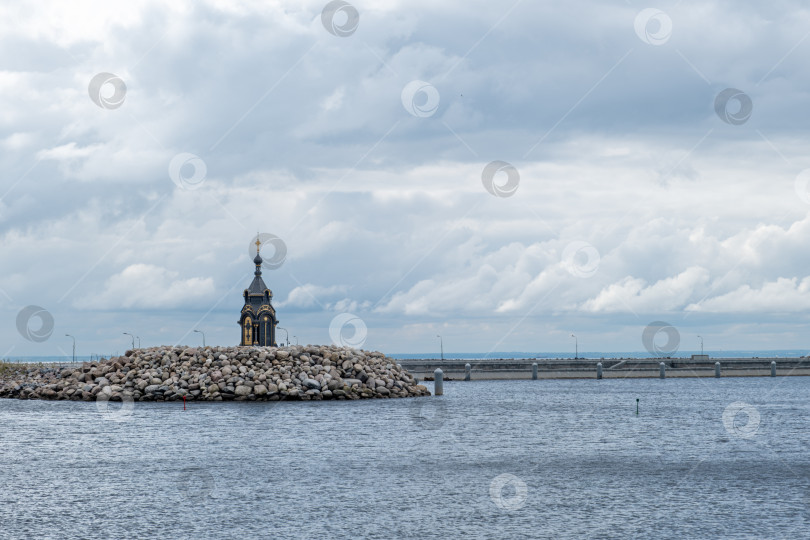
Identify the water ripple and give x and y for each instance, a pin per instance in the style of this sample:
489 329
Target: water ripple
578 462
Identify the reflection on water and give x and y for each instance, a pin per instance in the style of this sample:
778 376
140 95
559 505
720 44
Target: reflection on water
704 457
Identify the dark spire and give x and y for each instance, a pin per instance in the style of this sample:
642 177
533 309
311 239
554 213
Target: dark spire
257 287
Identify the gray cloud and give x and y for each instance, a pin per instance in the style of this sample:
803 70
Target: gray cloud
304 135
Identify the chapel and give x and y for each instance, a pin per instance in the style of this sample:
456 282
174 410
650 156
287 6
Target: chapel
258 320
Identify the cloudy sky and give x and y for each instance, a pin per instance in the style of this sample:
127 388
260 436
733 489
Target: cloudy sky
503 174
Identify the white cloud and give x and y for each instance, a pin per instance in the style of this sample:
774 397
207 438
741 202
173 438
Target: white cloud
83 20
633 294
68 151
146 286
17 141
785 295
335 99
311 296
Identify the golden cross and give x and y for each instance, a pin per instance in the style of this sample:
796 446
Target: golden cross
258 243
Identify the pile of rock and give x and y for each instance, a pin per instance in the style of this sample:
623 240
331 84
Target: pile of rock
219 374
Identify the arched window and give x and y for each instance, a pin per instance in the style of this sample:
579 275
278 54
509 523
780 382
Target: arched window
248 338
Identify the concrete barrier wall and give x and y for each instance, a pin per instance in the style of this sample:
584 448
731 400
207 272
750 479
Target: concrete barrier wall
612 367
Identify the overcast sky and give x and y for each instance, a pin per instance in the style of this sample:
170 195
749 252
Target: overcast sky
628 184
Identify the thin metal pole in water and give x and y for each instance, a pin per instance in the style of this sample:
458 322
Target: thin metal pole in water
534 371
636 406
717 369
467 368
773 368
599 370
662 370
438 382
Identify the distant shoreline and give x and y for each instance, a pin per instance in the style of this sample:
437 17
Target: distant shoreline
591 355
519 355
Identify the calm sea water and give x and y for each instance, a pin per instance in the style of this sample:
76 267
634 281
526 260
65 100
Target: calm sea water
725 458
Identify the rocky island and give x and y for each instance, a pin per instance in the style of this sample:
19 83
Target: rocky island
217 374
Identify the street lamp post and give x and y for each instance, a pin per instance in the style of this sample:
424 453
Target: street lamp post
139 341
296 339
576 346
203 335
74 346
133 339
441 344
287 334
701 345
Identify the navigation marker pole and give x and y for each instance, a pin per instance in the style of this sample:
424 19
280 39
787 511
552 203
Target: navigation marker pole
636 406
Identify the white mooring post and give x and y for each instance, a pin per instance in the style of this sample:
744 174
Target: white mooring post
717 369
662 370
467 368
534 371
438 382
599 370
773 368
